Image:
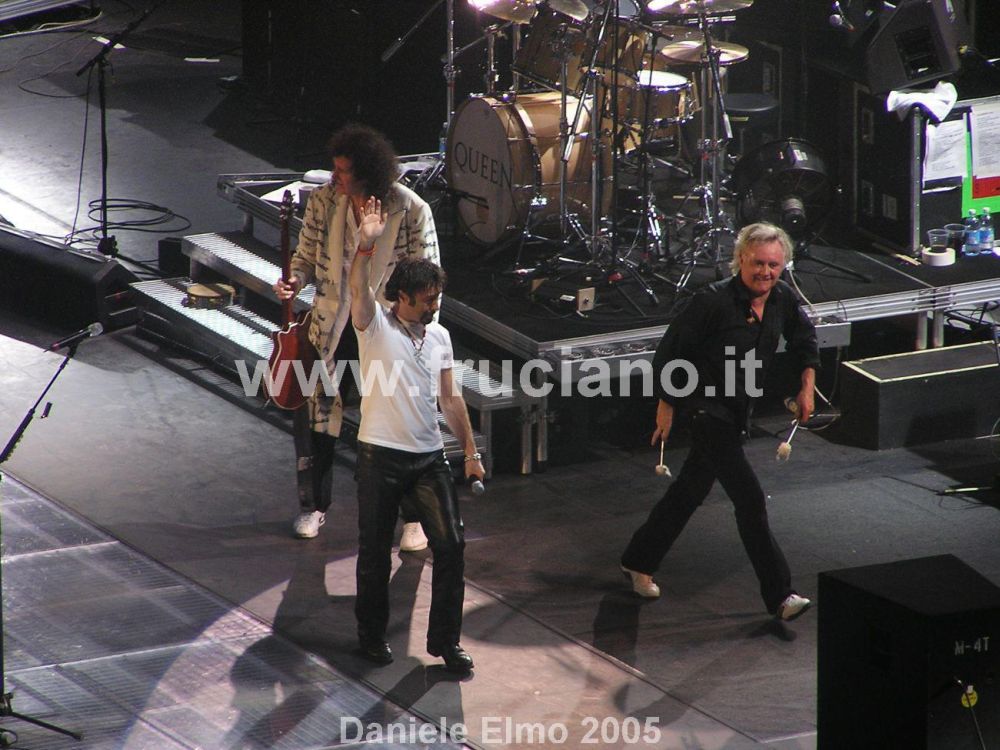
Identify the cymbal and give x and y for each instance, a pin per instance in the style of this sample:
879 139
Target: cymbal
696 7
517 11
573 8
692 52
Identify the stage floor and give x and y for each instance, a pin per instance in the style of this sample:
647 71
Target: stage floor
169 475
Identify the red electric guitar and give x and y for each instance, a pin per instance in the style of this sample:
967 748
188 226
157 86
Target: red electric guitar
291 342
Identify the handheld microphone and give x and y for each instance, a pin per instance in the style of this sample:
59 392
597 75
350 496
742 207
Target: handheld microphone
478 488
94 329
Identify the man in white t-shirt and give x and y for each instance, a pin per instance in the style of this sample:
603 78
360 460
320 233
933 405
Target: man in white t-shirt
406 366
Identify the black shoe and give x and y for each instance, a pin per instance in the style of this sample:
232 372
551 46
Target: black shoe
455 657
376 651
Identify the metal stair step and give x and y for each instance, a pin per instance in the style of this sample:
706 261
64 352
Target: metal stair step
228 333
244 259
232 333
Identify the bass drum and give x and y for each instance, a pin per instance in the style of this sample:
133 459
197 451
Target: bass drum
502 157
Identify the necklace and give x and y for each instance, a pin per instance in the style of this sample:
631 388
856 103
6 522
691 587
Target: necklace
418 343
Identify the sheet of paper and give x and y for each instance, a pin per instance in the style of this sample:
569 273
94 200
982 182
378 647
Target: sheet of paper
946 153
275 196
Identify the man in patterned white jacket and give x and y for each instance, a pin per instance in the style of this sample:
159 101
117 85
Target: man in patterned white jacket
364 166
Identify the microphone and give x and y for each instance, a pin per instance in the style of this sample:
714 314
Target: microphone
94 329
839 17
478 488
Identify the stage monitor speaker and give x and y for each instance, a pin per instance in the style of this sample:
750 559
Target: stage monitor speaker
920 397
61 286
909 654
917 43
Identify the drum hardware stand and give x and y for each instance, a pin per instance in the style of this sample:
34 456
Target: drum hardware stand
650 231
617 261
492 76
710 150
6 707
801 251
567 137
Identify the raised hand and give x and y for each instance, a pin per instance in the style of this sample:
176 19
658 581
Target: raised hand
372 222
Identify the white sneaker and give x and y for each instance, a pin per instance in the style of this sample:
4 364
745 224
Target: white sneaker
793 606
307 524
413 538
642 583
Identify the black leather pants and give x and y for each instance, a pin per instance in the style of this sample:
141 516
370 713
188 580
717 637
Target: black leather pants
313 460
387 477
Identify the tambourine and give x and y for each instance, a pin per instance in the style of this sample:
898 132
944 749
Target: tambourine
209 296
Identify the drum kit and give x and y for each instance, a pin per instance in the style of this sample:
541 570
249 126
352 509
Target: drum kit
595 93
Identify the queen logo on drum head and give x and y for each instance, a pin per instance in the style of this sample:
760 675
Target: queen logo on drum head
502 165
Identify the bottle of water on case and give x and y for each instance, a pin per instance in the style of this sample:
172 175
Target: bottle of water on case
987 234
971 246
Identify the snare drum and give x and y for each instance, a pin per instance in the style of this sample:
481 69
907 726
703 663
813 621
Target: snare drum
503 156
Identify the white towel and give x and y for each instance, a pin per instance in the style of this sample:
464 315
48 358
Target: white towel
936 103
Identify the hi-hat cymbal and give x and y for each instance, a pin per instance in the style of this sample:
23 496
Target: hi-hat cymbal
517 11
692 52
696 7
573 8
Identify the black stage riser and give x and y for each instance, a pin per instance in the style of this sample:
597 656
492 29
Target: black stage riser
62 287
893 642
921 397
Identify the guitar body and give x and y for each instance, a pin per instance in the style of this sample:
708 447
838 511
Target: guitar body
291 343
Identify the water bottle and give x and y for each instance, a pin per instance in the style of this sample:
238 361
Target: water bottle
443 141
986 234
971 246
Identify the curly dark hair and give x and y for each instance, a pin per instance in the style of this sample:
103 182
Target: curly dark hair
372 156
412 276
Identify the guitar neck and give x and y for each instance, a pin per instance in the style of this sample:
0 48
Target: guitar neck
287 308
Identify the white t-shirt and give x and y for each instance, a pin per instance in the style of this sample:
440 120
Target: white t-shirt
400 381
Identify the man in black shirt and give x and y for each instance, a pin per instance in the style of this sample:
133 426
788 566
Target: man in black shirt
730 325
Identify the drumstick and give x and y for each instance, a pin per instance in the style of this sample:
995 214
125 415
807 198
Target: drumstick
661 468
785 449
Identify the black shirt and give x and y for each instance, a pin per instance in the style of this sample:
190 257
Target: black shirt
715 333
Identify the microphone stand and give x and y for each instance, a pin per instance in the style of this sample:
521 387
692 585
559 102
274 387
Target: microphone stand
6 707
107 245
450 71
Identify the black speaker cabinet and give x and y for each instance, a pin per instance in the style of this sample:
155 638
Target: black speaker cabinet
909 654
917 43
921 397
64 287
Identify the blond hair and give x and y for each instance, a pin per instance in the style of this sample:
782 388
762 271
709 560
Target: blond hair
755 234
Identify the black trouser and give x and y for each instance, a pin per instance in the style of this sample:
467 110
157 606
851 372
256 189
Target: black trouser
423 481
313 461
716 453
